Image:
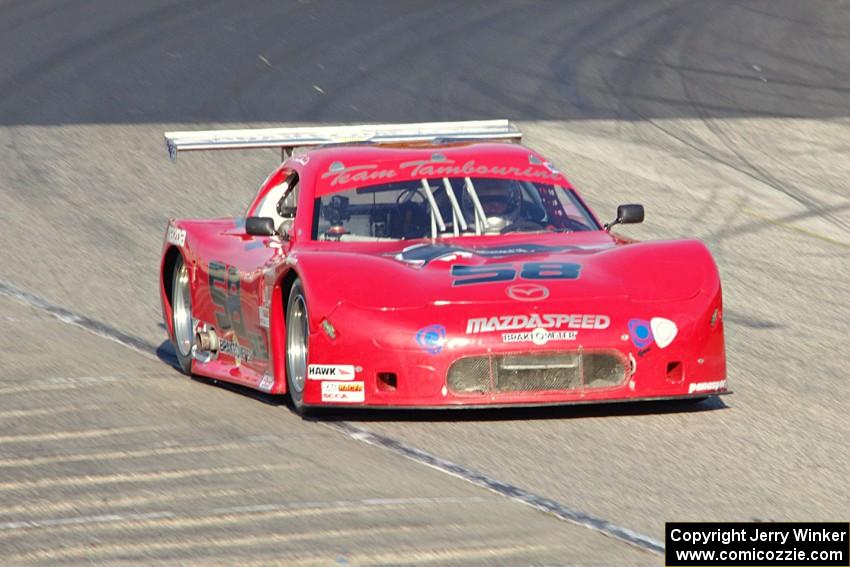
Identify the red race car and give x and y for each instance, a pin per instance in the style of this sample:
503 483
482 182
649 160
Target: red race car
437 265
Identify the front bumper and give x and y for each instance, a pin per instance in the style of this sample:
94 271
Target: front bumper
403 359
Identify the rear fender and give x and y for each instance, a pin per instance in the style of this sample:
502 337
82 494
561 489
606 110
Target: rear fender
180 238
166 274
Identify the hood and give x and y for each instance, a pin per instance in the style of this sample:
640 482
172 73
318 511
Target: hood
523 270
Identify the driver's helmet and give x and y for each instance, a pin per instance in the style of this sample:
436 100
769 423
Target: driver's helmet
500 199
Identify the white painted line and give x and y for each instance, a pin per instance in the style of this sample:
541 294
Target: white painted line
136 477
58 383
335 505
75 501
83 434
103 518
160 451
53 410
94 554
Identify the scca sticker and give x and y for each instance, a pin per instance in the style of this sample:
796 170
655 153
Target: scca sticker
344 392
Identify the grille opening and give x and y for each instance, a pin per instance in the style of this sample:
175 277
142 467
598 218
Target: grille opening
603 370
387 381
675 372
470 375
528 372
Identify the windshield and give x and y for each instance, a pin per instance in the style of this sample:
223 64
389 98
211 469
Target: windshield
448 206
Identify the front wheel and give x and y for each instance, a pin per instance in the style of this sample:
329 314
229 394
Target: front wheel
297 345
181 315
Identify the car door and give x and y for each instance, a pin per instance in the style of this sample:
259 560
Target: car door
234 274
259 266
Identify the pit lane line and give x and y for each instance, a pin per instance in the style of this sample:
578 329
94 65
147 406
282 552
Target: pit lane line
513 492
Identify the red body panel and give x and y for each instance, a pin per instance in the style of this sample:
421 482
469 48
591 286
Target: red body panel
654 307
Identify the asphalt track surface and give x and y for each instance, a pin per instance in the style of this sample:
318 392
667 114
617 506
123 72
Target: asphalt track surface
728 120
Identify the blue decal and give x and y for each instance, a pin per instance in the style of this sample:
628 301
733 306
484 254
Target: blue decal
506 272
431 338
640 332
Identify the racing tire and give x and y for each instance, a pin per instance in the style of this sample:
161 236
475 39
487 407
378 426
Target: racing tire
181 315
297 345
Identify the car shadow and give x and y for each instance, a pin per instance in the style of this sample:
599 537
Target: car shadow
562 412
268 399
165 353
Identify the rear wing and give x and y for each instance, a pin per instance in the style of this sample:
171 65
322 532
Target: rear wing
287 139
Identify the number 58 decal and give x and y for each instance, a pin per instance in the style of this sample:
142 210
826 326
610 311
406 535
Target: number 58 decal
466 275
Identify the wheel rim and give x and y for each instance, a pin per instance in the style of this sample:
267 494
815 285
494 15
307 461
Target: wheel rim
296 343
183 312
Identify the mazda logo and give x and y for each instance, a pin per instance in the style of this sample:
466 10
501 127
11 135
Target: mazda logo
527 292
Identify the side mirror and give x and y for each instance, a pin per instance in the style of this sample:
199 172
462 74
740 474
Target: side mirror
259 226
627 214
